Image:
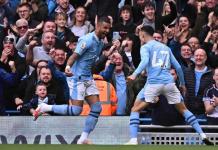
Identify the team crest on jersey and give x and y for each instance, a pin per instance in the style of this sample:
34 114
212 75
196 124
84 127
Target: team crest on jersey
83 45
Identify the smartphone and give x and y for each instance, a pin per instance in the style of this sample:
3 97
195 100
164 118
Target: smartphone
116 36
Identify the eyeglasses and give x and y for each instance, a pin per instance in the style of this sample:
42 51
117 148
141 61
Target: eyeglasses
23 11
8 39
22 27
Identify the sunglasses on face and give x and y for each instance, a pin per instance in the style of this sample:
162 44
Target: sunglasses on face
22 27
7 39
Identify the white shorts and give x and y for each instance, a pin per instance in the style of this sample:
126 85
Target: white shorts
81 89
151 91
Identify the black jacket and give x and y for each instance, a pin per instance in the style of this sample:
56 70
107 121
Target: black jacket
195 103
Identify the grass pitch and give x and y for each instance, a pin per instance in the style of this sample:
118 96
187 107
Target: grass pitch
104 147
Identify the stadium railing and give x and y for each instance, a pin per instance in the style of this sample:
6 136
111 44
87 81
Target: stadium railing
174 135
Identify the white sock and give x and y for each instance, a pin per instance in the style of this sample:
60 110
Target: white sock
45 107
84 136
203 136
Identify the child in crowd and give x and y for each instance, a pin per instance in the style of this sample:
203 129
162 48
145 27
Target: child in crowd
63 33
40 97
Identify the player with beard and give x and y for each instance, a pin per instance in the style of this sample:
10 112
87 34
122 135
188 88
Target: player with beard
81 83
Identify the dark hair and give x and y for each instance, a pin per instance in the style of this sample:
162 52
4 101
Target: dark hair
24 4
127 8
37 2
40 83
159 32
104 19
186 44
61 14
40 62
148 29
45 67
73 39
214 28
181 17
149 4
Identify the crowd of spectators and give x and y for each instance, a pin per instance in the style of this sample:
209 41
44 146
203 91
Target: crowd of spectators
38 36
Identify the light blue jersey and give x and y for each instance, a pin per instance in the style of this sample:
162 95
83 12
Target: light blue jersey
157 59
88 48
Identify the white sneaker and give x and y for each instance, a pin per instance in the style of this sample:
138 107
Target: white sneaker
86 141
131 142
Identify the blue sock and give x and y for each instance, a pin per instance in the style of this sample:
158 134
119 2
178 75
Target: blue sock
191 120
92 118
134 124
71 110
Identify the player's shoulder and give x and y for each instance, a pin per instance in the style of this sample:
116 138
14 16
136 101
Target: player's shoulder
86 40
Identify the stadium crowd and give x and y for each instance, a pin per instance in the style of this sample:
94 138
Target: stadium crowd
38 37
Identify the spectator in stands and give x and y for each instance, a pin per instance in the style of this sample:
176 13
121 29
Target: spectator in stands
186 56
158 36
168 33
22 26
120 84
125 24
190 10
197 79
41 96
40 10
130 50
211 101
25 35
6 80
57 66
210 45
137 10
36 53
65 7
24 11
182 34
52 4
203 10
194 43
103 8
6 12
81 26
9 53
29 81
59 58
50 26
156 21
212 23
54 89
63 33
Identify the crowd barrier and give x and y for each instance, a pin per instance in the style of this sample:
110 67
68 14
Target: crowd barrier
109 131
61 130
171 136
